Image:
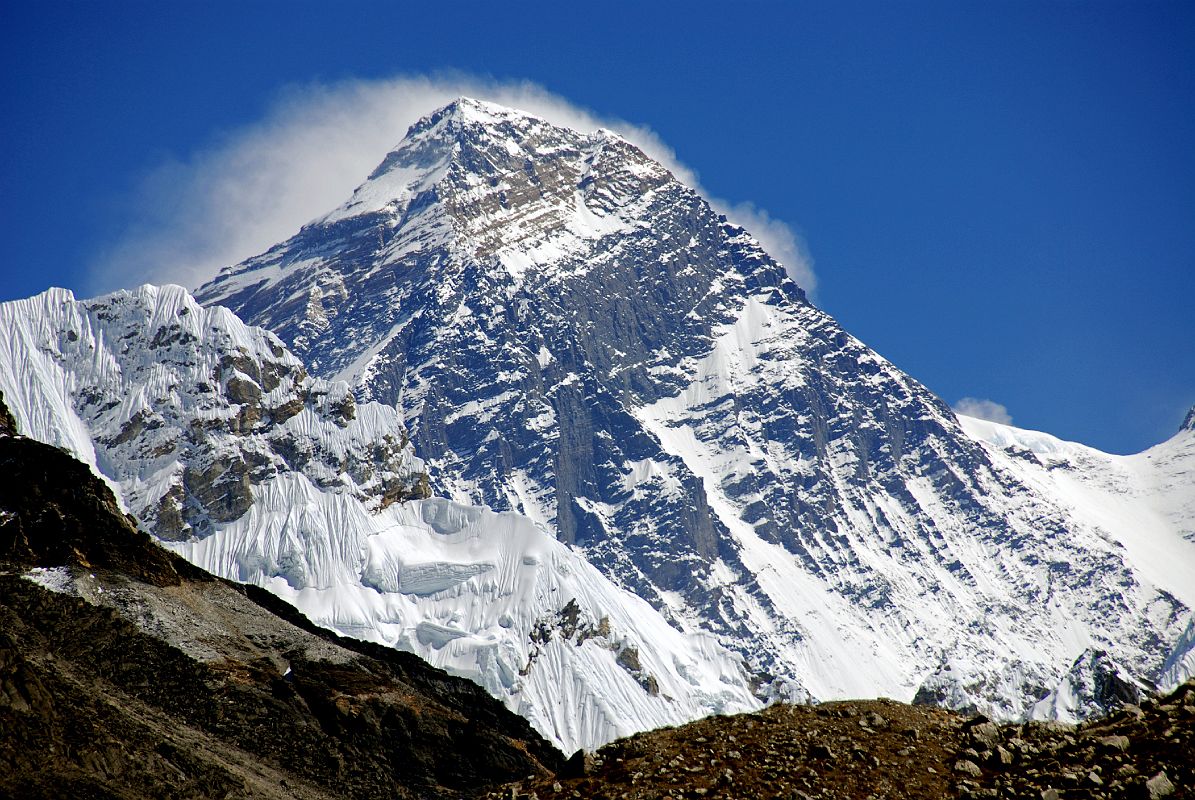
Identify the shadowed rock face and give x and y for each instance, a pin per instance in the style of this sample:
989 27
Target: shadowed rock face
55 512
129 673
572 333
8 425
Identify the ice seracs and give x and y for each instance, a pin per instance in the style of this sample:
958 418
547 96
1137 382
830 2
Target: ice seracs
485 595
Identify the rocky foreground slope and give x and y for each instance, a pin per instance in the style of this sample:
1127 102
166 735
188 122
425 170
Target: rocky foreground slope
126 672
883 749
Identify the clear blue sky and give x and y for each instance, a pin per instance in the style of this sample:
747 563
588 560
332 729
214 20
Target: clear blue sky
998 197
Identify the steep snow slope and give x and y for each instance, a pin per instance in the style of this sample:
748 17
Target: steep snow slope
220 444
485 595
1143 503
574 334
1180 664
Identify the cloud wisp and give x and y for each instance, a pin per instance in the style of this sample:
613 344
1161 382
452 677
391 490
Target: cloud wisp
258 185
983 409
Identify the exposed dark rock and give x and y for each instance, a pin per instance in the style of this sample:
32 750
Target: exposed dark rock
1159 786
56 512
8 425
241 390
142 676
221 487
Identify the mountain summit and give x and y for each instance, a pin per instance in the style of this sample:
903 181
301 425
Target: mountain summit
472 186
572 333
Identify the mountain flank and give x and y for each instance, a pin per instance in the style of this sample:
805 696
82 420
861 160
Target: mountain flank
125 672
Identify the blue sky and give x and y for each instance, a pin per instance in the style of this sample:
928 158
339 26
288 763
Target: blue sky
998 197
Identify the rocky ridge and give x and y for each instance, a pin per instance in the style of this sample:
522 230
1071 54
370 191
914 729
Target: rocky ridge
188 411
883 749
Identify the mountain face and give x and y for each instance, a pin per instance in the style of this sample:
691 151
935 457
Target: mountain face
127 672
213 435
573 334
1094 686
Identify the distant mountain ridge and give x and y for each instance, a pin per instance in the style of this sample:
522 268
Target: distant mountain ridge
573 334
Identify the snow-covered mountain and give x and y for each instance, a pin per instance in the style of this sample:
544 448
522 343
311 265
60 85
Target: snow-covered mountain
1095 686
573 334
1145 505
213 435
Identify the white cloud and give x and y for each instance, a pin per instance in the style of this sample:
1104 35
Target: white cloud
983 409
257 185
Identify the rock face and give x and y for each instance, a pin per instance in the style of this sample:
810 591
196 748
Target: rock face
573 334
259 473
1094 686
127 672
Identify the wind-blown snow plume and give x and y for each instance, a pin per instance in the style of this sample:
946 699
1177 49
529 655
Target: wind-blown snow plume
983 409
258 185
